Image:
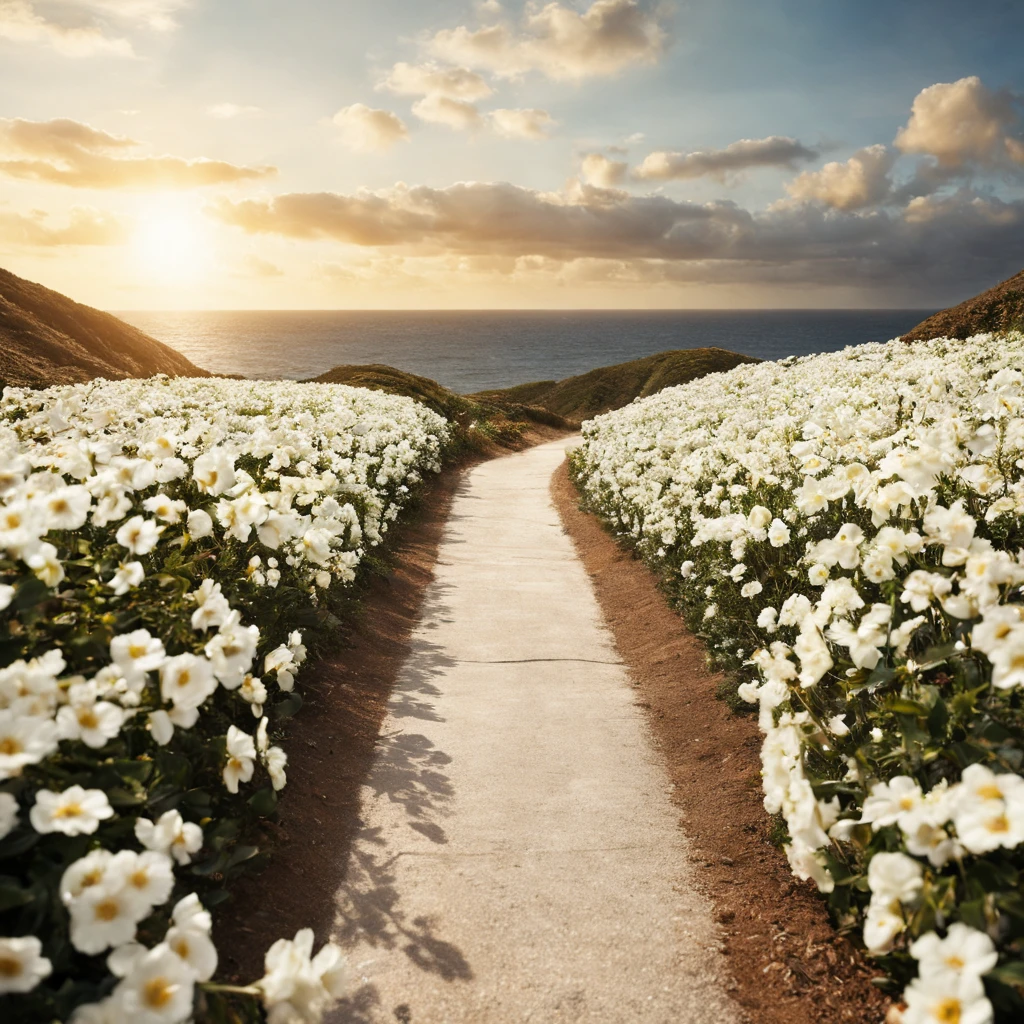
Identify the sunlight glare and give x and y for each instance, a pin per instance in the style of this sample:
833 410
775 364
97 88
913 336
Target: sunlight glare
172 242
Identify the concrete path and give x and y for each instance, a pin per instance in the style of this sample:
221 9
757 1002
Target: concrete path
521 859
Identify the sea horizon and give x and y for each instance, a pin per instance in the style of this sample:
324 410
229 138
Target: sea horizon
472 350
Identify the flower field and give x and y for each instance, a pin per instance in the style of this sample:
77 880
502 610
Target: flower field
164 545
845 533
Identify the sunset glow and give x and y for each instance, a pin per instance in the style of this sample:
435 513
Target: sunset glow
576 153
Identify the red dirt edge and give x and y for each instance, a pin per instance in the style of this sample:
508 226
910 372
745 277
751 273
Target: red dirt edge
788 964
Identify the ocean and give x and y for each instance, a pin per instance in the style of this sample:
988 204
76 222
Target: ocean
471 351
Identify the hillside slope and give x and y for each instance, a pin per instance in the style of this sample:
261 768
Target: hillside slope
611 387
999 309
478 422
47 338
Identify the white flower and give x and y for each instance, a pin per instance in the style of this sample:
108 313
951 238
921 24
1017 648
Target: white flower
189 937
83 873
159 989
105 915
139 535
964 950
6 596
232 650
94 724
199 524
43 562
275 759
137 653
212 608
24 740
946 998
686 570
75 811
778 534
241 755
128 575
214 472
296 988
187 680
892 802
22 965
895 876
149 875
170 833
751 589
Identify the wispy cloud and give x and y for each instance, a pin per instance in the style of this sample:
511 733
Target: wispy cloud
529 123
85 226
773 151
66 152
559 41
83 28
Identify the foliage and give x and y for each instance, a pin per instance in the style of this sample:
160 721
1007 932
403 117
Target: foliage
845 533
164 546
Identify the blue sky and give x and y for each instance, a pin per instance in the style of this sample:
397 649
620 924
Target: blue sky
568 154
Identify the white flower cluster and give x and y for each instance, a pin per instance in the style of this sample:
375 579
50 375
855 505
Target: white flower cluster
855 520
163 503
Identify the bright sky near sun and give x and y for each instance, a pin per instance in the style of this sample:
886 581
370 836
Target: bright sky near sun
579 153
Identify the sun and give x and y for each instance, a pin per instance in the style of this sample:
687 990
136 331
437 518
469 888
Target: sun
172 242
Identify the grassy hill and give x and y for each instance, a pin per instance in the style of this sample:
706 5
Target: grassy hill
611 387
479 422
999 309
47 338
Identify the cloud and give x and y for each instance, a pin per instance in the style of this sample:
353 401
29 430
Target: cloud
599 170
85 226
365 129
66 152
960 123
560 42
452 113
226 111
83 28
433 80
521 124
961 240
774 151
861 181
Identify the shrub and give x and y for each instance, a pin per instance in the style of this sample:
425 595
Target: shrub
844 531
163 543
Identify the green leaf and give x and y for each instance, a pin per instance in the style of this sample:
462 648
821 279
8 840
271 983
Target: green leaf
264 801
1011 973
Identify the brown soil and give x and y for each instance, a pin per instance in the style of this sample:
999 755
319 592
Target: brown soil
331 746
789 965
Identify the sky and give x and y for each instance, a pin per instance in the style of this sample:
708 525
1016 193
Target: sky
318 154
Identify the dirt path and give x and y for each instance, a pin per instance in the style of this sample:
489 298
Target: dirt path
519 857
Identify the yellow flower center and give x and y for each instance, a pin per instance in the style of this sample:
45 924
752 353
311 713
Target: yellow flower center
68 810
139 879
137 650
907 804
185 677
87 718
990 792
998 824
11 967
107 910
10 746
94 877
948 1011
158 992
181 948
955 962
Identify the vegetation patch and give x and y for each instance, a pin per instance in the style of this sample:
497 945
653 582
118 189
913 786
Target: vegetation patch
168 551
844 533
